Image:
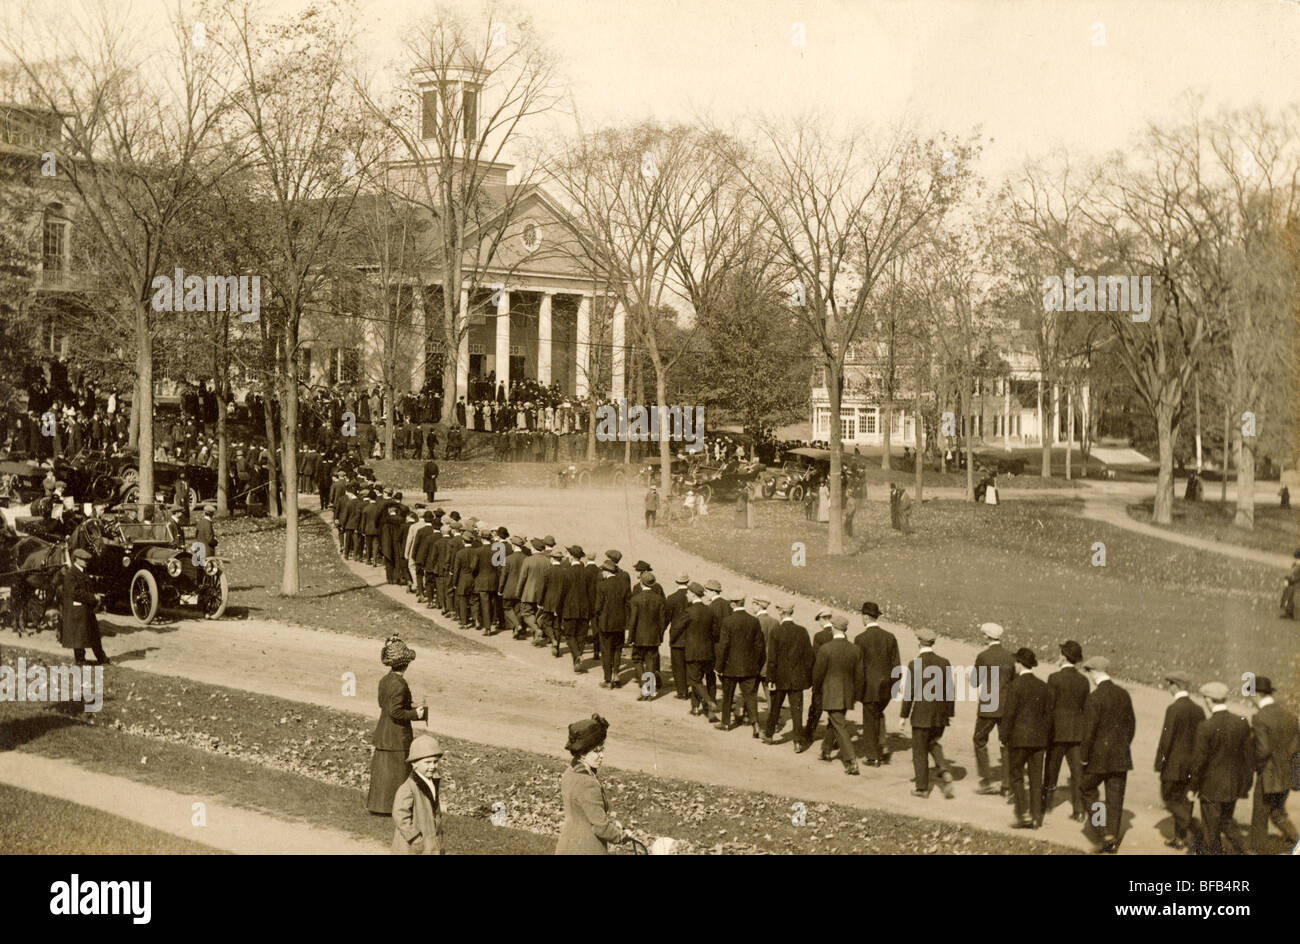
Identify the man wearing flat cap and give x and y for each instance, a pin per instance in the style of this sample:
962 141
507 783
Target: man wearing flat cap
646 623
820 638
1174 756
1027 719
1223 765
576 613
881 667
928 693
767 622
1069 694
610 621
1108 727
994 668
556 585
700 631
837 680
674 606
1277 746
511 587
789 670
741 654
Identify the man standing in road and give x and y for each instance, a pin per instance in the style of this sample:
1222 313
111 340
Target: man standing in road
1069 693
1222 764
610 622
789 672
1174 756
674 606
651 506
928 715
837 680
741 654
1027 717
646 622
1108 726
823 636
430 479
533 577
880 664
1277 742
701 635
994 669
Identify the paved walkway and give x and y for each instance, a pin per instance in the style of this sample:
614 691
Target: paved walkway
227 828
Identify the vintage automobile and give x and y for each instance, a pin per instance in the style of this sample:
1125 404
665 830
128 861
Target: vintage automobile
792 481
144 565
585 474
202 480
723 482
87 478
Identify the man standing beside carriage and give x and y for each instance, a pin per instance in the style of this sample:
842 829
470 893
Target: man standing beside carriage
79 630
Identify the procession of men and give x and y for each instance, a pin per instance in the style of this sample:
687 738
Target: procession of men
747 663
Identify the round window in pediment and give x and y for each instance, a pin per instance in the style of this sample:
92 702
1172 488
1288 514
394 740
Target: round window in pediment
532 236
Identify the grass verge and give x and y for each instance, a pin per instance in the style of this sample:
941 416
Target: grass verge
1277 530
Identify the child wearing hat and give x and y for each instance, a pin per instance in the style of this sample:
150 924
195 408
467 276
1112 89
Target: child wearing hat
417 806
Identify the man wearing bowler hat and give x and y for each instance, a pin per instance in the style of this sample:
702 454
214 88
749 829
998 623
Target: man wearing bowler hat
1277 744
1108 726
1223 763
1027 720
1069 691
1174 756
881 667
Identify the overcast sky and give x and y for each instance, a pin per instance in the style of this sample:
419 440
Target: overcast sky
1032 73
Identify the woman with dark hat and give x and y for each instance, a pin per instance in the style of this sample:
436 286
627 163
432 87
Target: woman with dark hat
588 828
389 766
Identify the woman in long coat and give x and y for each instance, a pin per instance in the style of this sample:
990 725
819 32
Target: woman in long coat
392 739
588 828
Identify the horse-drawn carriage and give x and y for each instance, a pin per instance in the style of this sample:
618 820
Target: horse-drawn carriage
136 566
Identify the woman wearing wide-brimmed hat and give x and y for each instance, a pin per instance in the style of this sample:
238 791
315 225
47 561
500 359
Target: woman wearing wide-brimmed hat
588 828
392 740
417 808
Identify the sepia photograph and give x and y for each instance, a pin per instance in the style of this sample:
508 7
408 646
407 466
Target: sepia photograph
650 427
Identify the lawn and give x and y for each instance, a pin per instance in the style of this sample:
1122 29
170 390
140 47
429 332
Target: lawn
35 824
1276 530
330 596
1030 567
311 763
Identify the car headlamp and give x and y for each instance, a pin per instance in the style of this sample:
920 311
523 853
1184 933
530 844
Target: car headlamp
173 568
210 568
126 561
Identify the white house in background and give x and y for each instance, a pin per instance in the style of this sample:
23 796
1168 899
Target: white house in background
1013 410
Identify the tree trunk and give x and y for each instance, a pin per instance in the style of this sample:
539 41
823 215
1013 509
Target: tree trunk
221 377
835 538
1196 380
665 442
289 435
142 402
1069 430
272 472
966 394
389 417
1227 436
1163 510
887 422
1245 455
1045 444
591 428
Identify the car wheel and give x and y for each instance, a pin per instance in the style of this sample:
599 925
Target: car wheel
131 494
769 488
101 490
214 595
584 478
144 597
130 475
194 498
796 493
620 478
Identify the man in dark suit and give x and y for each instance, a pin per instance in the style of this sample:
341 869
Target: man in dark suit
820 638
1277 744
700 631
1223 762
424 537
532 579
881 666
1108 726
462 576
741 654
837 681
370 526
674 606
204 532
510 586
1027 720
78 629
578 599
928 692
555 586
430 479
767 622
350 522
1174 756
789 672
610 619
489 558
1069 693
647 619
994 668
718 605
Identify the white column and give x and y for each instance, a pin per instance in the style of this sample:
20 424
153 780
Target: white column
462 355
619 385
583 358
1006 413
422 342
503 340
544 340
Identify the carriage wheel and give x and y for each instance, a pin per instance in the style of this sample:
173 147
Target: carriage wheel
130 476
796 493
214 594
584 478
144 597
769 488
620 478
101 490
131 495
